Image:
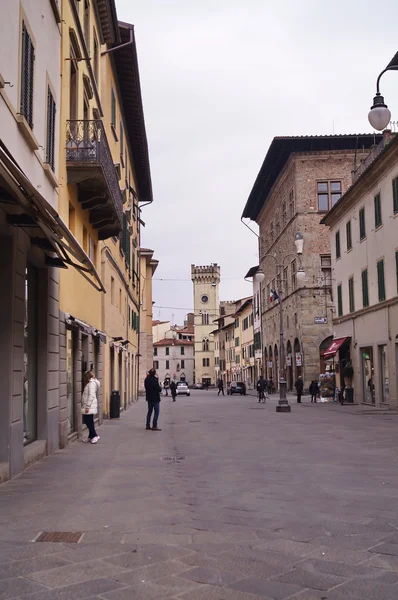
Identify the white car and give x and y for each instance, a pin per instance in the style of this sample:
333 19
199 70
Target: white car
183 389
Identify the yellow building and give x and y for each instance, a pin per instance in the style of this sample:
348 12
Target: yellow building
148 266
103 176
244 344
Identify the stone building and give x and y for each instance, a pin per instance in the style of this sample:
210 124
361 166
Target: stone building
206 282
364 238
301 178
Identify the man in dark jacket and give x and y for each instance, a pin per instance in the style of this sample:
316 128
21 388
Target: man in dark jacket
220 387
261 387
173 390
299 385
153 391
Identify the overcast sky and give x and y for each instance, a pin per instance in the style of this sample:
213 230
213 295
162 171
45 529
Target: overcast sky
220 79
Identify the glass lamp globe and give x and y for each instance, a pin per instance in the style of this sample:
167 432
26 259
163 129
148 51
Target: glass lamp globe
379 117
300 275
260 275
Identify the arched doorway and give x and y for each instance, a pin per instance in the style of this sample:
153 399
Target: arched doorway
270 363
298 359
264 370
289 366
323 346
276 366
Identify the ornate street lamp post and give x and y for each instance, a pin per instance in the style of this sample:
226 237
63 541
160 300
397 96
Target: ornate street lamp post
379 114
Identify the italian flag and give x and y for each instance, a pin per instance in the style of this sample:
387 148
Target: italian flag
271 295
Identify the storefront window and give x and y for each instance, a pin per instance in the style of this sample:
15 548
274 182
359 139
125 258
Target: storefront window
70 381
368 375
384 378
30 357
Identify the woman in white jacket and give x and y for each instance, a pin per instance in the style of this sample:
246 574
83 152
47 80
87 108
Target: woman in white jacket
90 405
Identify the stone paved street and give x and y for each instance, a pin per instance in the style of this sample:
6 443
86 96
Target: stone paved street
231 501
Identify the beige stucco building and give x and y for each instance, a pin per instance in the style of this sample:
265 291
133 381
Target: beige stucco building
173 359
301 178
206 282
148 266
364 238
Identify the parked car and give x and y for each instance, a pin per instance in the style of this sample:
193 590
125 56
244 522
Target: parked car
237 387
183 389
197 386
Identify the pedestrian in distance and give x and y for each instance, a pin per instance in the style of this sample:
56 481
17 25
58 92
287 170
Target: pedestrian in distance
173 390
166 386
314 390
299 385
261 388
152 392
91 387
220 387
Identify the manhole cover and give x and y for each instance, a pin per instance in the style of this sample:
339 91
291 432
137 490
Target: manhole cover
60 536
194 421
257 408
173 457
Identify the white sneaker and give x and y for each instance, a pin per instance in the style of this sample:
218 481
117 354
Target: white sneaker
85 440
95 440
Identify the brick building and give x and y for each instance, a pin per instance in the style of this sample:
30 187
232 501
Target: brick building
300 180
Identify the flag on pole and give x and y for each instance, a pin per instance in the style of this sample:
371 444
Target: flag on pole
271 295
276 297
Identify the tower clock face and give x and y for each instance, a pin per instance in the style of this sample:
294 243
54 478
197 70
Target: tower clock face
205 298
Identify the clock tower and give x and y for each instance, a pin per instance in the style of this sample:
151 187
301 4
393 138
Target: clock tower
206 283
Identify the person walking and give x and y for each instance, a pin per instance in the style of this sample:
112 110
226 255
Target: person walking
220 387
90 405
261 387
173 390
152 392
314 390
166 386
299 385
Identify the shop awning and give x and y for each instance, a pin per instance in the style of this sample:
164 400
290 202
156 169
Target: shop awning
38 214
334 347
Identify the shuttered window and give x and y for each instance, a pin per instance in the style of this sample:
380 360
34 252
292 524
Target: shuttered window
378 219
395 194
339 300
349 236
27 76
365 289
50 143
380 281
338 252
351 294
362 225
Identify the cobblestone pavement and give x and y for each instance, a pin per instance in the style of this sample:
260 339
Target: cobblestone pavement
231 501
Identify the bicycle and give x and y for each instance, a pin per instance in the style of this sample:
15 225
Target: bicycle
262 396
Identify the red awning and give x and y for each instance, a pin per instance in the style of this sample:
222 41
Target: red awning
334 347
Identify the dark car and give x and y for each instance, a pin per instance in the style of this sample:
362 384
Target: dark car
237 387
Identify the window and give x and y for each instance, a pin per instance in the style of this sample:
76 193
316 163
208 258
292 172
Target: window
205 318
50 138
183 364
206 362
378 219
351 294
72 217
236 342
380 281
167 365
205 345
96 57
121 141
291 204
348 234
329 192
27 76
112 291
236 324
155 351
87 24
284 213
362 225
286 279
395 195
237 359
182 350
326 269
156 364
339 300
365 289
293 275
113 109
167 351
91 249
337 237
85 240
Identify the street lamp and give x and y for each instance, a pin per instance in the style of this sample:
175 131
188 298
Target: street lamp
283 404
260 275
379 115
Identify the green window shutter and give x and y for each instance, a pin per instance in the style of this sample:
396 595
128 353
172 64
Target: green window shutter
338 253
380 281
378 219
339 300
365 289
349 237
351 294
395 194
113 108
362 225
50 135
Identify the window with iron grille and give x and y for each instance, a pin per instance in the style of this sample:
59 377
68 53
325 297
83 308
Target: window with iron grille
395 194
27 76
339 300
351 294
50 141
380 281
362 225
378 219
365 288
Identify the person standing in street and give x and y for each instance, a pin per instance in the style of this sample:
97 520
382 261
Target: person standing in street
261 387
173 390
152 392
299 385
90 405
166 386
314 390
220 387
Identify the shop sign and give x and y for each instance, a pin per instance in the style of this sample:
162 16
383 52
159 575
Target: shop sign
298 359
289 360
320 320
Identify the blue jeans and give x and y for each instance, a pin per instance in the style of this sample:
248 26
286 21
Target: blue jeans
153 407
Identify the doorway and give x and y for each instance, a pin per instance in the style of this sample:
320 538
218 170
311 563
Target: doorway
70 380
30 355
121 386
289 366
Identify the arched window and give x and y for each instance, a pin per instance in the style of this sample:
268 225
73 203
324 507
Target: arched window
205 318
205 344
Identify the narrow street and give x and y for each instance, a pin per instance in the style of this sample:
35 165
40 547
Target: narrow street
231 501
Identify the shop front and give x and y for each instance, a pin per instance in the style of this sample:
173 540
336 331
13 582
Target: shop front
337 361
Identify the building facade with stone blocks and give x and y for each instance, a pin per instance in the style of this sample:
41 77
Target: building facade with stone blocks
148 266
364 241
174 360
30 230
301 179
206 282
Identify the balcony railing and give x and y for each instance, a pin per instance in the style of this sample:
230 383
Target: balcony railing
86 144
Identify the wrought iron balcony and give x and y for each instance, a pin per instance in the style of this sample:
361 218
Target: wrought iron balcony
90 166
